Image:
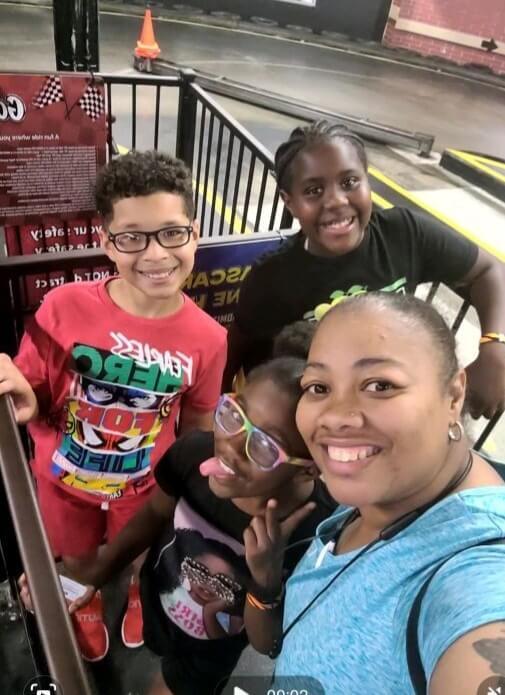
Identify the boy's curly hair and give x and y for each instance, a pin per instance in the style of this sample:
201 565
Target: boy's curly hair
140 174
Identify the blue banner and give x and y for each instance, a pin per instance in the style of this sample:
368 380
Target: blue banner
220 268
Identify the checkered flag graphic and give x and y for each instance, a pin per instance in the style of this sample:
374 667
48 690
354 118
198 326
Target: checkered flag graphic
51 93
92 102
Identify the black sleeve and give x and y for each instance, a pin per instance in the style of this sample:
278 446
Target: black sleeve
180 462
443 254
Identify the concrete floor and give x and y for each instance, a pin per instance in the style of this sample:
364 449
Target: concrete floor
460 113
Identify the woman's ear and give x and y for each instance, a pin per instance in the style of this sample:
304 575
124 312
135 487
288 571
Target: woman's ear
457 392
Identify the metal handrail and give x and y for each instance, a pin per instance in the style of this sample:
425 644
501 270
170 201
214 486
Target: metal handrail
258 149
296 108
152 80
51 613
268 100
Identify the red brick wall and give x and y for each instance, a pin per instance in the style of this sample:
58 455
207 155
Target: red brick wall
483 19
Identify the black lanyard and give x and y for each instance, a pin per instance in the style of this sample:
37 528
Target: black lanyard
387 534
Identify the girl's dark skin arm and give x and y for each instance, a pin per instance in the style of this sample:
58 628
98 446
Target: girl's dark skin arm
265 541
486 375
213 628
138 535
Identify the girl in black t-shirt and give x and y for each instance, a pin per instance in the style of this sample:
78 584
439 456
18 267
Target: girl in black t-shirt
344 249
204 522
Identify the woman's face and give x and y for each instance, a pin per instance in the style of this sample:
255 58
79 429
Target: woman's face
271 410
374 412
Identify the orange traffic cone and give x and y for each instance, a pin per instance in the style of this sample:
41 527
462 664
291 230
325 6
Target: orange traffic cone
146 45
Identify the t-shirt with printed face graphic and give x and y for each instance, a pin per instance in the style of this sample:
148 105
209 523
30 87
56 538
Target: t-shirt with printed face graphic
399 251
194 580
110 386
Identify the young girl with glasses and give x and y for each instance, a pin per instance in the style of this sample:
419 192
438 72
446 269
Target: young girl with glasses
217 494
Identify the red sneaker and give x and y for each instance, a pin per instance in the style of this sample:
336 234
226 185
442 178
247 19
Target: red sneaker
132 627
90 630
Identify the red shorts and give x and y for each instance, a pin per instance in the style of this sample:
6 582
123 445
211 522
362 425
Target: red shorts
76 526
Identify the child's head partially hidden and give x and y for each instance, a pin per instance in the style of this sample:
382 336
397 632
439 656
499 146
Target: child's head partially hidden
294 340
146 200
258 449
322 176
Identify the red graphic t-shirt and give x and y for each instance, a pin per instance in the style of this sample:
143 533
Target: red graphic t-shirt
109 386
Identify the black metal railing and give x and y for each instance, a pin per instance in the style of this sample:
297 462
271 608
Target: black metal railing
143 111
233 173
235 189
302 110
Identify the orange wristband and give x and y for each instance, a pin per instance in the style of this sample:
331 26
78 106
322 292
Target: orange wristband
492 338
260 605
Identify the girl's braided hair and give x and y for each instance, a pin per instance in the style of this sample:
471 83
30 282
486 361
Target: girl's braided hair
304 137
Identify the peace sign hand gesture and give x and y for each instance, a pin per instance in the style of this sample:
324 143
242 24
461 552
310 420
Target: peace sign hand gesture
265 540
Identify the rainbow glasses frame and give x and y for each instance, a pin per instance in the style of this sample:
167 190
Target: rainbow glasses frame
227 401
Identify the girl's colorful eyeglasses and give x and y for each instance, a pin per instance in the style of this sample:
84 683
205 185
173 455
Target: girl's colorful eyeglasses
260 447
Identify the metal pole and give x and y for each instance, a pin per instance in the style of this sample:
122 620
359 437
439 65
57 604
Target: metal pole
63 19
76 35
186 118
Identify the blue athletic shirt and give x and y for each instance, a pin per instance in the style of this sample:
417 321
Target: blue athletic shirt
354 637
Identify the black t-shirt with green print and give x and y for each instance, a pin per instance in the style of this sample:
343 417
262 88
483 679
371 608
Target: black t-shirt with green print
399 251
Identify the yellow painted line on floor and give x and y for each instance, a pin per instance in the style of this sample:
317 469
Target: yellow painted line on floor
223 210
381 202
490 446
437 213
473 161
491 162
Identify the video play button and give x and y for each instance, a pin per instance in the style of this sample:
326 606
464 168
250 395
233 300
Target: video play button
262 685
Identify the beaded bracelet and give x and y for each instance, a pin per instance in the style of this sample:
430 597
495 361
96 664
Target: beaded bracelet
492 338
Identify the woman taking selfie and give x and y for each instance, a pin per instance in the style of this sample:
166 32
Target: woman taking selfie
381 416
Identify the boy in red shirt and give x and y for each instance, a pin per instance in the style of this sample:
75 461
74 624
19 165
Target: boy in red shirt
108 368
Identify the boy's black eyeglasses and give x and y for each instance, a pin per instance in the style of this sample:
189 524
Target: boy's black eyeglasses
169 238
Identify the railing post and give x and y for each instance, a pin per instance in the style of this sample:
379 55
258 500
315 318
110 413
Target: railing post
186 118
286 219
9 336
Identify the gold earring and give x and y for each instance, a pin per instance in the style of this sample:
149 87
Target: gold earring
455 432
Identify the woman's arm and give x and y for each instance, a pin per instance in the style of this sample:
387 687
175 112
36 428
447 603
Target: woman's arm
486 376
212 626
470 661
